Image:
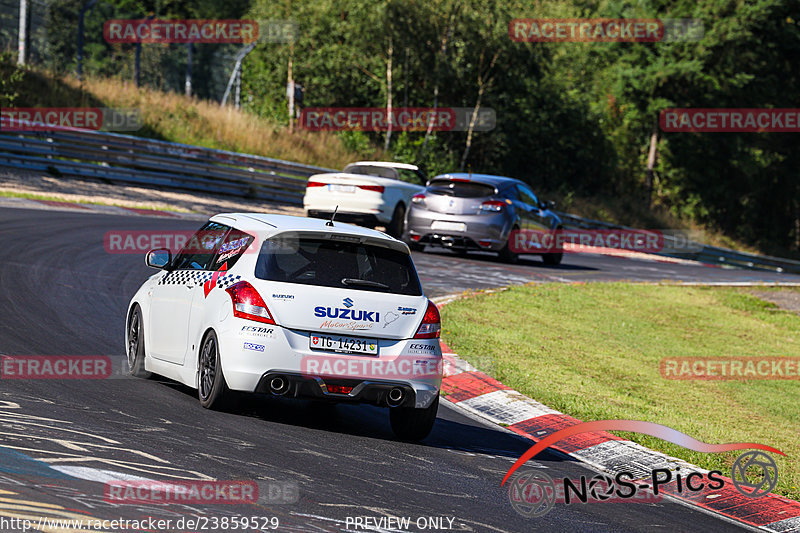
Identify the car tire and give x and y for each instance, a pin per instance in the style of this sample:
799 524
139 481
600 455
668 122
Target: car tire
553 259
506 255
412 424
136 345
212 391
397 224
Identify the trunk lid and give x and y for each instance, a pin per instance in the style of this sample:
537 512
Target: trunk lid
353 312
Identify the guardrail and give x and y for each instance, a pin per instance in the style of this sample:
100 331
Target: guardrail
128 159
706 254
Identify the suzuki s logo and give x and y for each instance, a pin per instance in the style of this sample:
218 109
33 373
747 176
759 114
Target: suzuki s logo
348 303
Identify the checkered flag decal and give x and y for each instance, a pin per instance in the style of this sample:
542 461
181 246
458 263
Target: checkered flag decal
223 282
186 277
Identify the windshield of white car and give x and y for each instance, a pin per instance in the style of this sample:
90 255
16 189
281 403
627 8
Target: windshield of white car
326 263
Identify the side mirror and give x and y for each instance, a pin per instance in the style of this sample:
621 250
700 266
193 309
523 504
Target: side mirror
543 204
158 258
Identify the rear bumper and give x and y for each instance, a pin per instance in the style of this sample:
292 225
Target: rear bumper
316 387
324 202
248 357
482 232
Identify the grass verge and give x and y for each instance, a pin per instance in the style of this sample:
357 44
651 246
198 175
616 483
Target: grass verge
593 351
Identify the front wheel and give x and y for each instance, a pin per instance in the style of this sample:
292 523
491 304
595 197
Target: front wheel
136 345
211 388
409 423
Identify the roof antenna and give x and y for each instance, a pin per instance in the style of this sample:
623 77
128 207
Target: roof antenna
330 222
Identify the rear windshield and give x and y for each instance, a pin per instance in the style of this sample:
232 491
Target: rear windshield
368 170
460 189
327 263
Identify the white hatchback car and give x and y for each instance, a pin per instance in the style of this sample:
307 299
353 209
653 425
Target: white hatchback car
368 193
295 307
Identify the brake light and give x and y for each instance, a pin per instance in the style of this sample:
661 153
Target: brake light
418 199
493 206
375 188
315 184
431 325
248 304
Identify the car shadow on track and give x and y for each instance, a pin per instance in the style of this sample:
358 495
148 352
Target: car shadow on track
451 430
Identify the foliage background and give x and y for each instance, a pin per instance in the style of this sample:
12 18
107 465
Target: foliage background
573 119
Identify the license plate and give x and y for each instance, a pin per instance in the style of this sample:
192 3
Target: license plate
448 226
337 343
342 188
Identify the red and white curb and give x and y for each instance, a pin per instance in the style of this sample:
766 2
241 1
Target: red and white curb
633 254
481 395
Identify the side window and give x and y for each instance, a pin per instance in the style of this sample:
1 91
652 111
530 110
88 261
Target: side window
526 195
199 251
232 248
511 193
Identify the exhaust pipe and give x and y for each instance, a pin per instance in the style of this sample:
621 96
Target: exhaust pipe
395 397
278 386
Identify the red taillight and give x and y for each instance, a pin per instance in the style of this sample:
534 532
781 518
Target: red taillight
416 237
431 323
494 206
339 389
418 198
248 304
374 188
315 184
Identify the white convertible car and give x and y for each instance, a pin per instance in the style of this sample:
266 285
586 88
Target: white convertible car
294 307
368 193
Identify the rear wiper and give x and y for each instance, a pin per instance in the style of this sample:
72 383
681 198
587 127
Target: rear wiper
364 282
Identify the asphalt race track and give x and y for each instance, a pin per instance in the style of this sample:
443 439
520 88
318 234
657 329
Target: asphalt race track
62 294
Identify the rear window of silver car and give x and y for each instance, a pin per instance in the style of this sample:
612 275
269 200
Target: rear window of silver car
460 189
330 263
